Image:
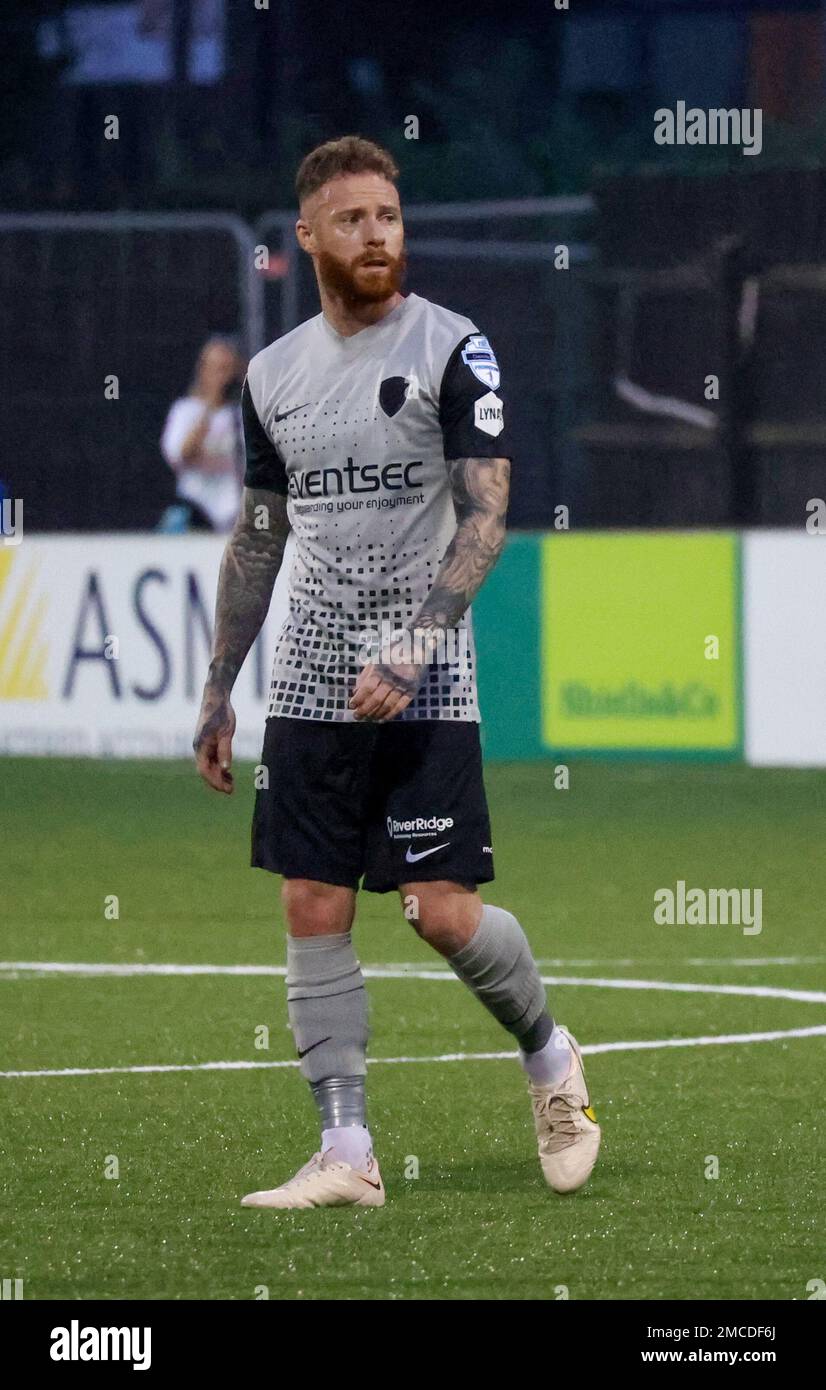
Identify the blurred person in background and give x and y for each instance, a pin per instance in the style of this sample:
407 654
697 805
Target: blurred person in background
202 442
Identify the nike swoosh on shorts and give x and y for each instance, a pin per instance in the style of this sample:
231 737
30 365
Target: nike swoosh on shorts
411 858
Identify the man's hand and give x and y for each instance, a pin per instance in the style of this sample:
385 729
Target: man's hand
213 738
384 689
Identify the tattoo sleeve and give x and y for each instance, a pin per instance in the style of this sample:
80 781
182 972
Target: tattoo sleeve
251 561
480 495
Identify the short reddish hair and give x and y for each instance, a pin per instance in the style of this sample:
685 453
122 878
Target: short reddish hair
349 155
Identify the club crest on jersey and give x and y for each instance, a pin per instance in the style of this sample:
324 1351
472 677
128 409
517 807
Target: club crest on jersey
481 358
488 414
392 394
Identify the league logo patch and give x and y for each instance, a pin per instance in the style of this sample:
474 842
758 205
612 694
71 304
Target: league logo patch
488 414
392 394
481 358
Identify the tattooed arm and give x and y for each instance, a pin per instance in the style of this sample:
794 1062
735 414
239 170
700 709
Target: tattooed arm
480 495
251 561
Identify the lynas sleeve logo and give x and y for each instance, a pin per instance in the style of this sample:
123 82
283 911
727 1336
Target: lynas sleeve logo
488 414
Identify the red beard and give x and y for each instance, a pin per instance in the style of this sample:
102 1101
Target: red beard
355 288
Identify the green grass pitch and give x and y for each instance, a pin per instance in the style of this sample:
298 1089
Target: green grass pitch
579 868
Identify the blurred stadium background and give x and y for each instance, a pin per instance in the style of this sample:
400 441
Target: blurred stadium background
657 309
658 314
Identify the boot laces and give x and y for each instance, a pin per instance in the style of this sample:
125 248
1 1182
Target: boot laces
555 1112
307 1172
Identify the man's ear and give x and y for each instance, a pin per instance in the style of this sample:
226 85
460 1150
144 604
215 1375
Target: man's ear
304 235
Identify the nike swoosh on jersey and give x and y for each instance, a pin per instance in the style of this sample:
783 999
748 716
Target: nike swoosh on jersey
284 413
423 853
312 1045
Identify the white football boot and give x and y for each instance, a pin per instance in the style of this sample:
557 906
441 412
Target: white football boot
566 1126
324 1182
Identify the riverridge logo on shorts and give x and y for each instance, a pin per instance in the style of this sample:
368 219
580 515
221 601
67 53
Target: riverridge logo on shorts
421 825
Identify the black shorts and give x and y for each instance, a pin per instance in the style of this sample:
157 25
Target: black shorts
401 802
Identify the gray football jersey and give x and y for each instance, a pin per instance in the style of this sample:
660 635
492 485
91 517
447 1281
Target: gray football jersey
355 431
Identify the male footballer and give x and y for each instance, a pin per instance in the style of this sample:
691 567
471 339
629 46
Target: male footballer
375 432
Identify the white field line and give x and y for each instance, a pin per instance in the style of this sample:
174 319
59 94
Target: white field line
170 968
758 960
412 972
689 960
818 1030
801 996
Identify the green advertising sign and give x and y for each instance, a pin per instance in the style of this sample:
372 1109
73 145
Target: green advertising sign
506 620
639 645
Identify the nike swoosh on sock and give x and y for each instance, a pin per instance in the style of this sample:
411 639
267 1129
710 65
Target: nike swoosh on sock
312 1045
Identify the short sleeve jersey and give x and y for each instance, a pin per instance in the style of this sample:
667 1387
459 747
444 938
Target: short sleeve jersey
356 432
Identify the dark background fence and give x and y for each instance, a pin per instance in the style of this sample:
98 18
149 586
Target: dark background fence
695 262
136 297
671 282
88 298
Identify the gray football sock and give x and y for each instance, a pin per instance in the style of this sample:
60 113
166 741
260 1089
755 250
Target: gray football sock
341 1102
538 1034
327 1007
498 966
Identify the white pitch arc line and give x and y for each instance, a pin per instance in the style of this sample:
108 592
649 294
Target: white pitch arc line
378 972
801 996
687 960
130 968
198 968
722 1039
757 960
